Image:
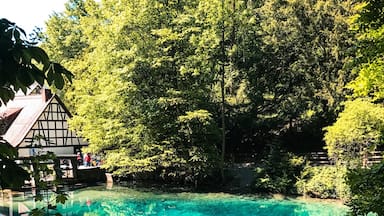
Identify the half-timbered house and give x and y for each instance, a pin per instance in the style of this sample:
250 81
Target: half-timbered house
37 122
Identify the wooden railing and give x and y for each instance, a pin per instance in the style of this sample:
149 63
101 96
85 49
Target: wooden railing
375 157
321 158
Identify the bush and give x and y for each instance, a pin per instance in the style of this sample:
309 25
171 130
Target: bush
359 129
323 182
278 173
367 190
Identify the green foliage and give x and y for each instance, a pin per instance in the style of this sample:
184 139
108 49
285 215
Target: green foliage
367 190
23 63
367 125
368 63
323 182
291 76
196 126
44 167
46 175
357 131
370 80
147 107
11 174
278 173
150 75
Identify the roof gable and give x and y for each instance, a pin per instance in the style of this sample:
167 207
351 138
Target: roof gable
51 128
32 106
41 114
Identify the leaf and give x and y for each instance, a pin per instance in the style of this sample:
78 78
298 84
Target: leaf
16 35
39 197
37 75
6 94
26 56
68 74
61 70
61 198
25 77
39 55
50 206
6 150
19 85
21 30
58 78
50 75
15 175
37 212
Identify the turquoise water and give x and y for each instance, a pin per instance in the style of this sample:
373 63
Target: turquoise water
123 201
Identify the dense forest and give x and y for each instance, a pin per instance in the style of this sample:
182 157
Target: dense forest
181 87
179 90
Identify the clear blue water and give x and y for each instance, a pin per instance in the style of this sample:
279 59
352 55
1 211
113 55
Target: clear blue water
124 201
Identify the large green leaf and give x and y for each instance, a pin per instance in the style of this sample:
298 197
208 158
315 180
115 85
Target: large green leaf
11 174
57 76
6 94
39 55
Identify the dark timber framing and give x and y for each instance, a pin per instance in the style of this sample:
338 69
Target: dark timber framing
52 126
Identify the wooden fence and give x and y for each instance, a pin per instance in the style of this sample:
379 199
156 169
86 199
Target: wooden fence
321 158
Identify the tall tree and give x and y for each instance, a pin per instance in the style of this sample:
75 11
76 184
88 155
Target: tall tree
365 184
156 80
300 76
147 108
369 24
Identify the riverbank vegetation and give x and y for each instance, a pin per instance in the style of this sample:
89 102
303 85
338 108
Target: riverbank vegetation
176 91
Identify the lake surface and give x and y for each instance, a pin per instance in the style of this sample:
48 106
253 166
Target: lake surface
125 201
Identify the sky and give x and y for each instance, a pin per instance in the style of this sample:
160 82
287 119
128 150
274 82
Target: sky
30 13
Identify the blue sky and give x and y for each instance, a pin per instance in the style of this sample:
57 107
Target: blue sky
29 13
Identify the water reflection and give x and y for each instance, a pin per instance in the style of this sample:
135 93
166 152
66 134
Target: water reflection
10 206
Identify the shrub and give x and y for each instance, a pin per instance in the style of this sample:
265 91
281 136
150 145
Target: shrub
358 130
323 182
367 190
278 173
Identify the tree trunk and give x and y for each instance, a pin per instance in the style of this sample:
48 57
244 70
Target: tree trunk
222 73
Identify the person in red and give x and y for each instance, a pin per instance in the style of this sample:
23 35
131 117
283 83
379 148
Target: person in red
88 159
79 159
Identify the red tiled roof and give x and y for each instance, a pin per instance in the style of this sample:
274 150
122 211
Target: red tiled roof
32 106
8 116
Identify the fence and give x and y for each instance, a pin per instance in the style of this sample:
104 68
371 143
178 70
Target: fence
321 158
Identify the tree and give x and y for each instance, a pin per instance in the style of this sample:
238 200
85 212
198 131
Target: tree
158 61
302 77
358 130
366 183
293 88
369 24
366 187
147 109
